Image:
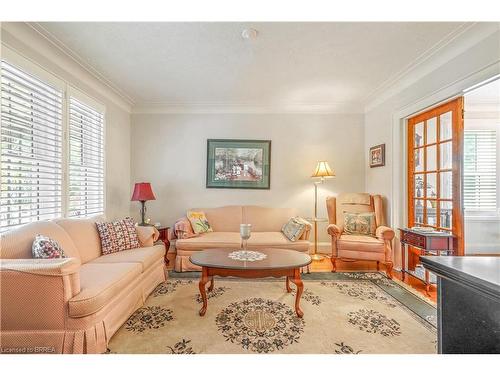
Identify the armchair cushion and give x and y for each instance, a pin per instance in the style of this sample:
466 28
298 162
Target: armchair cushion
360 243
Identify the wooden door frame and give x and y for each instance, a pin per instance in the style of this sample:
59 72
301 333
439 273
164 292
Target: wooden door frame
454 106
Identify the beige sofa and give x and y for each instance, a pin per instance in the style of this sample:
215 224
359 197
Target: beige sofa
225 222
74 304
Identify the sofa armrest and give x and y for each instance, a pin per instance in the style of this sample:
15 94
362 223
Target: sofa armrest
46 267
334 231
147 235
384 233
35 292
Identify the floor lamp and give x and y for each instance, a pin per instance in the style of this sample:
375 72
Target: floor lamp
322 171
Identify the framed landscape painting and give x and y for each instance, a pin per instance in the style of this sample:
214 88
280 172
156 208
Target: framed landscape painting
238 164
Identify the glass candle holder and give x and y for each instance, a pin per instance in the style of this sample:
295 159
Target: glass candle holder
245 233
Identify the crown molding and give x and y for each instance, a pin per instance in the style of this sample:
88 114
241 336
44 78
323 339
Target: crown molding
452 45
29 34
248 108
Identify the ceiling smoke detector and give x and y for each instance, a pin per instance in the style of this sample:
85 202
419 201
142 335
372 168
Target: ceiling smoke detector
249 34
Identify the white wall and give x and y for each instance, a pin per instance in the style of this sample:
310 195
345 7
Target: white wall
467 68
169 150
26 42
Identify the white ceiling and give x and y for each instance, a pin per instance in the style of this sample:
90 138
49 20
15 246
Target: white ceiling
211 64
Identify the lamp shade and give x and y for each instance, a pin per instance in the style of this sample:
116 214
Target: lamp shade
323 170
143 192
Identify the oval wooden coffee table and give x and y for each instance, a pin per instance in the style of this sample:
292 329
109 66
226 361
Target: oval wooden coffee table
276 263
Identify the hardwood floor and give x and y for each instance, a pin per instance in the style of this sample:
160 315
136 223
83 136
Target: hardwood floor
326 266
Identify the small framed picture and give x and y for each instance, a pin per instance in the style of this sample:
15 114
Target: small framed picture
377 156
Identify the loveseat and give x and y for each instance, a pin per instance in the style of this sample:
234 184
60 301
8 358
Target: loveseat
73 304
225 222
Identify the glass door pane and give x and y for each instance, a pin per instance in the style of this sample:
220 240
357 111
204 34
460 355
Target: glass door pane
431 131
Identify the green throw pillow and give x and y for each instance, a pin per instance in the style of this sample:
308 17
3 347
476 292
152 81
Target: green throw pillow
294 229
360 224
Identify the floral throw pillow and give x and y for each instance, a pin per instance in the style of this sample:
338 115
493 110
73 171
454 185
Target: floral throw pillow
44 247
117 236
360 224
294 229
199 222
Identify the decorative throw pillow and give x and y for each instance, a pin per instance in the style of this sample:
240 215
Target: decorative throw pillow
117 236
199 222
46 248
294 229
361 224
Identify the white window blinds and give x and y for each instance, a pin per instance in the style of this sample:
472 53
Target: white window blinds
31 149
86 160
480 170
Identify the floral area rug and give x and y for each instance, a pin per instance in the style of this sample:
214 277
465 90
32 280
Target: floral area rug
344 313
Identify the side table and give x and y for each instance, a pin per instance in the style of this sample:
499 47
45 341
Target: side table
164 238
427 243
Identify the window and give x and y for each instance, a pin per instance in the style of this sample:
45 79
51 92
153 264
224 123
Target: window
86 160
31 149
51 150
480 170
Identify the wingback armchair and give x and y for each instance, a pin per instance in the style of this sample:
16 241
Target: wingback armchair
359 247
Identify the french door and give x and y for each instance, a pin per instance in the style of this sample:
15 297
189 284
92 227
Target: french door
435 149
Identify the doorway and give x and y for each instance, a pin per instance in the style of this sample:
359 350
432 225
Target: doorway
481 189
435 149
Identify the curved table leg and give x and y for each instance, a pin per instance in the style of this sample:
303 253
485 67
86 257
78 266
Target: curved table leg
288 289
300 288
211 286
203 292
